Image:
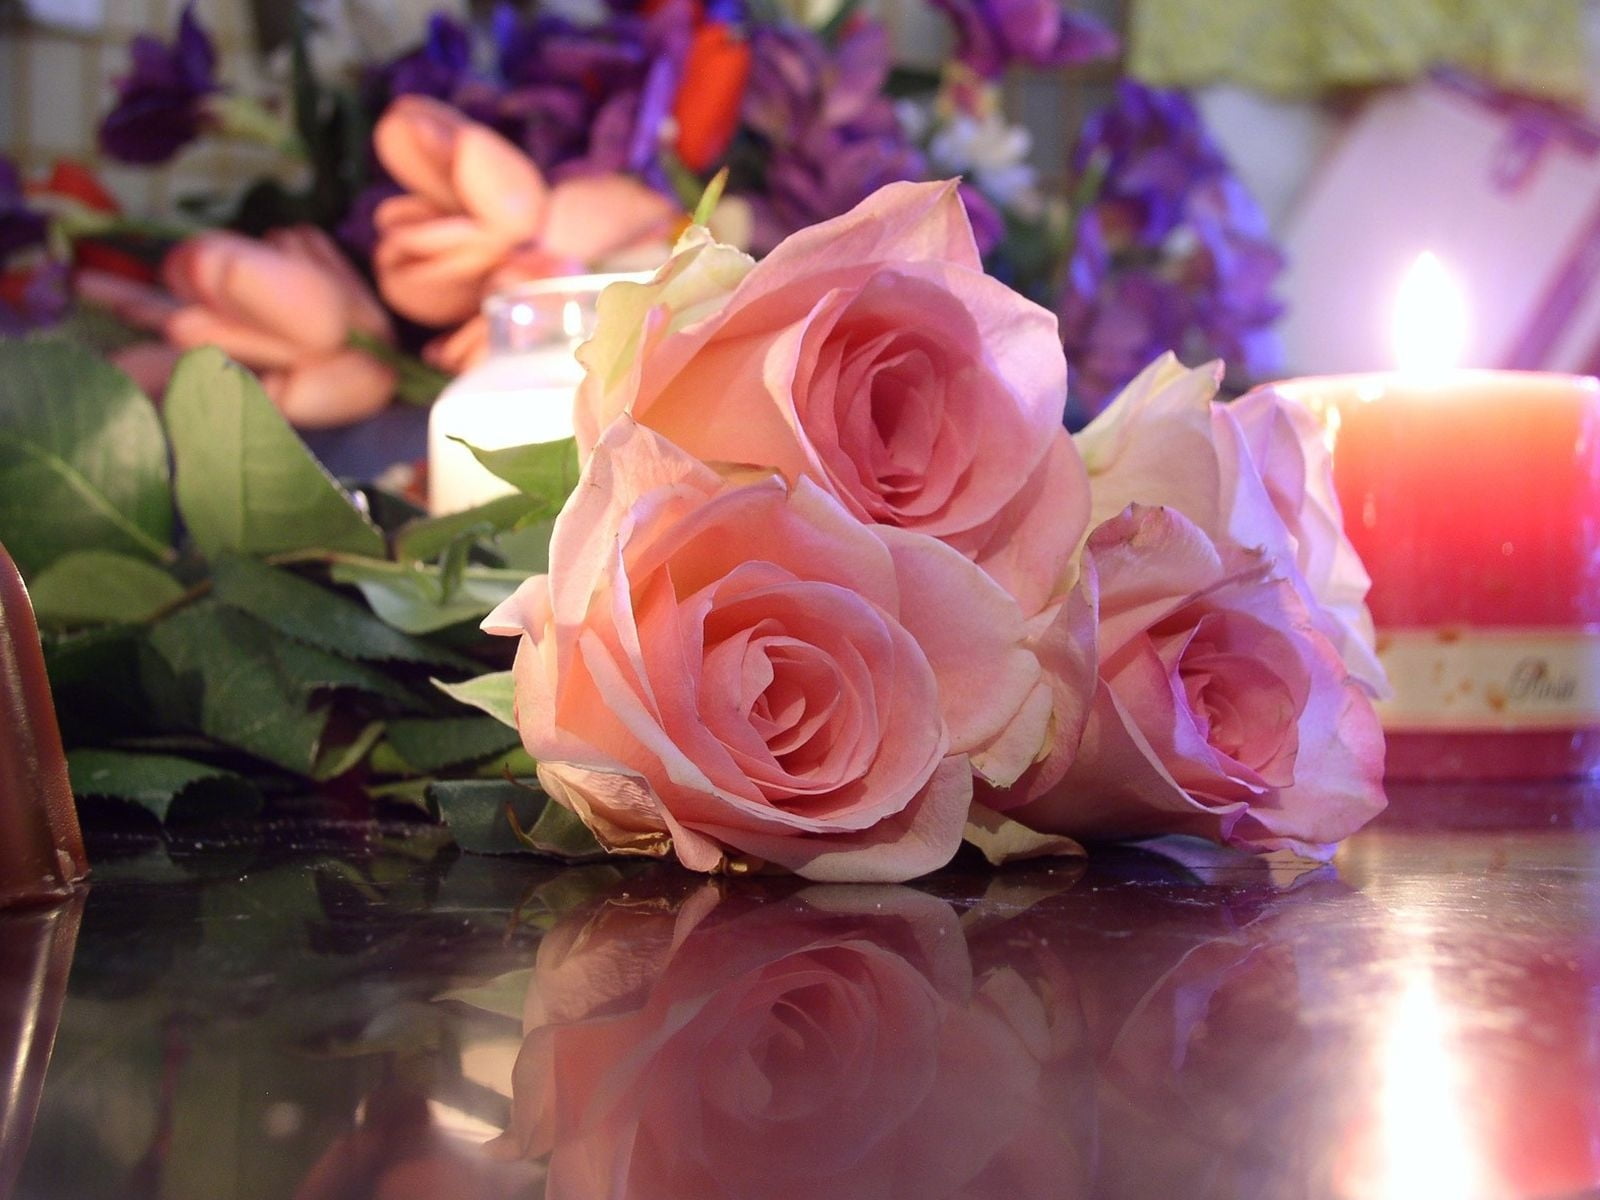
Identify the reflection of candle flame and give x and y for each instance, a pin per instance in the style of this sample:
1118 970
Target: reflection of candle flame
1430 317
1427 1147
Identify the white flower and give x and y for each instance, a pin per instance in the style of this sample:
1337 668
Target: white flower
990 152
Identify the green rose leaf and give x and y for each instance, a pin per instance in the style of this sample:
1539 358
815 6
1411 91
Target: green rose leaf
412 598
503 996
544 471
228 683
339 754
176 791
100 587
321 617
499 816
424 539
83 464
427 745
495 694
245 482
241 683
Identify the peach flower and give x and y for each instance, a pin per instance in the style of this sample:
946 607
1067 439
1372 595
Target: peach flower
477 215
285 306
742 666
873 356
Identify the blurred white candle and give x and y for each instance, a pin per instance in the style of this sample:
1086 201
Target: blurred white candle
521 393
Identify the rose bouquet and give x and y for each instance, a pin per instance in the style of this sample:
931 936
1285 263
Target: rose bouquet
835 589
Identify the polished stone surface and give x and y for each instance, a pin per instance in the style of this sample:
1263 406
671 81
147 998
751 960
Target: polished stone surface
384 1019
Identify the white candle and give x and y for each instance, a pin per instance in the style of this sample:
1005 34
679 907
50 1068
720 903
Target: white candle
522 393
508 400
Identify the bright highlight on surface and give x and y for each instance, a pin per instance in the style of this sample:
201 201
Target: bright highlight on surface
1430 317
1426 1147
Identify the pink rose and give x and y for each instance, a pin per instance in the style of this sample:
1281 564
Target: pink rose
836 1043
1221 709
745 668
285 306
1287 445
477 215
1255 472
873 356
1225 605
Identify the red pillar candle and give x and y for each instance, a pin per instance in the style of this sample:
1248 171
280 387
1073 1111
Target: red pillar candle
1473 497
41 848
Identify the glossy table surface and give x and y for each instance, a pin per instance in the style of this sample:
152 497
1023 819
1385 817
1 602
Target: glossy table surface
382 1018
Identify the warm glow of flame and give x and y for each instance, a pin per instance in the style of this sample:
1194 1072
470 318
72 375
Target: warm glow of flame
1426 1147
1430 317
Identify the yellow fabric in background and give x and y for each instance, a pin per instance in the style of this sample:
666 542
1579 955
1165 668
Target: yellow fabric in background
1297 48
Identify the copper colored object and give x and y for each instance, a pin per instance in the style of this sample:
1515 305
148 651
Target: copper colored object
36 948
41 847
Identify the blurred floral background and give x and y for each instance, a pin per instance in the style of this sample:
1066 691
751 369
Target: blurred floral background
1136 167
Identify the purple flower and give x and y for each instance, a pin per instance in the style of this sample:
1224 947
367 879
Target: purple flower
33 286
1173 253
991 35
988 226
437 68
20 225
358 230
1153 150
42 299
593 99
830 133
161 102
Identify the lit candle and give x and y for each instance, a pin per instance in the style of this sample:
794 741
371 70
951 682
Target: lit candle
522 393
1473 497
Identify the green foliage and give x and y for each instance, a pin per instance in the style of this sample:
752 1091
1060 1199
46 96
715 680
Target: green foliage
427 745
494 694
98 587
312 614
245 482
83 464
173 789
414 599
429 537
267 644
543 471
504 816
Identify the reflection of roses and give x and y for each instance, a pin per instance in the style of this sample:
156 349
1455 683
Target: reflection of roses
873 356
835 1043
745 667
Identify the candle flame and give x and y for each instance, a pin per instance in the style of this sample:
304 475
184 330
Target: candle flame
1430 317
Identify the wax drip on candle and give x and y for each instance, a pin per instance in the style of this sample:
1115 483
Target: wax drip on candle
1430 317
41 847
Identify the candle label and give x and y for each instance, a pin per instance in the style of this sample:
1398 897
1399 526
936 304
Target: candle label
1491 679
